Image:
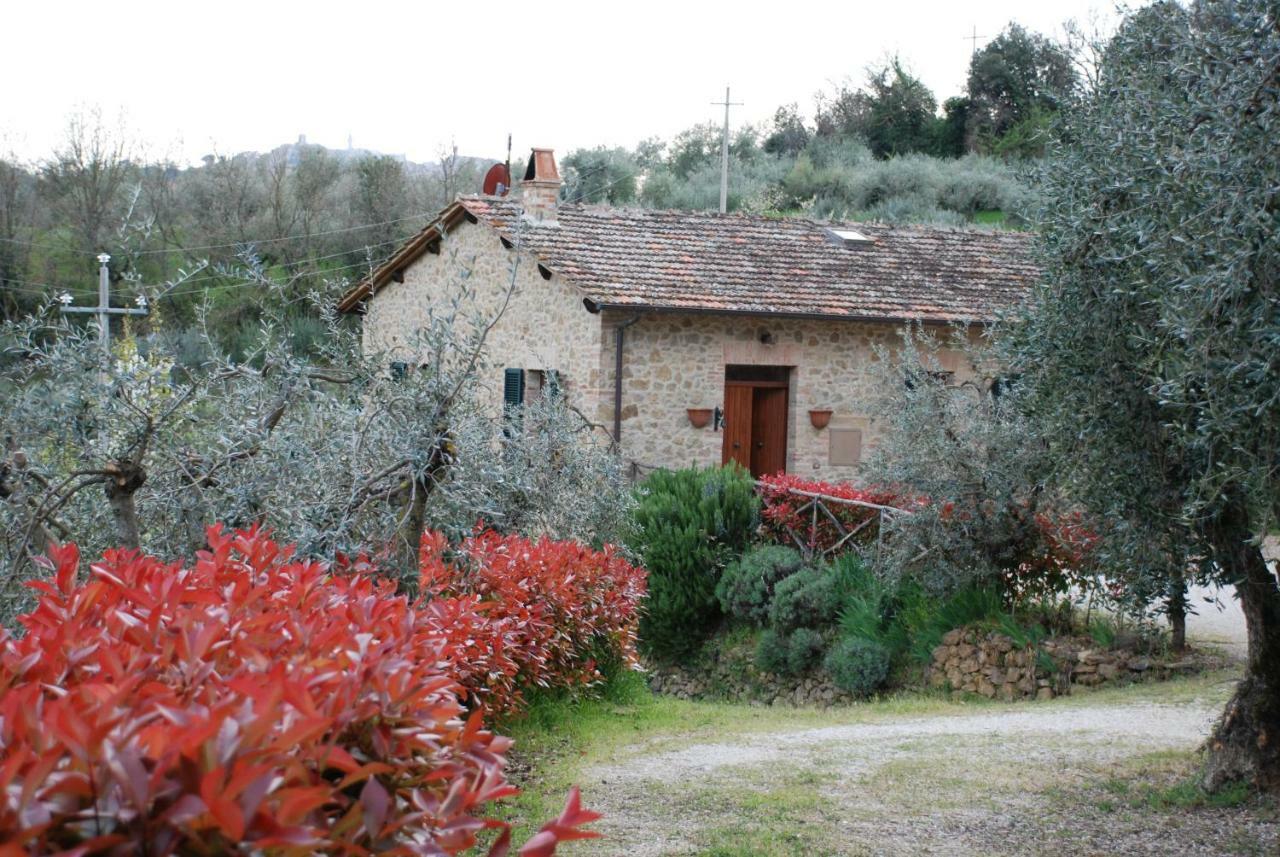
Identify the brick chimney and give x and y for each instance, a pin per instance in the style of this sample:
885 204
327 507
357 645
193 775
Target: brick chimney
540 190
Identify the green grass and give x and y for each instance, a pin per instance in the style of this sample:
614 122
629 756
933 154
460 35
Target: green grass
989 218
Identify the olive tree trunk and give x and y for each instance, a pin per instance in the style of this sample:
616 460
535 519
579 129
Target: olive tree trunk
123 481
1245 744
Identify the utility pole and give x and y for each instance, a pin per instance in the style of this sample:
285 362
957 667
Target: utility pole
974 39
724 150
104 310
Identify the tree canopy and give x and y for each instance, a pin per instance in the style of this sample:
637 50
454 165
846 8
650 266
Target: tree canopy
1151 350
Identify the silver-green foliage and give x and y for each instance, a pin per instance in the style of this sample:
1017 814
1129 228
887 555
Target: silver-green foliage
1153 348
973 457
335 454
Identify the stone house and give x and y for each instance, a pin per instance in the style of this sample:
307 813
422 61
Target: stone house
690 337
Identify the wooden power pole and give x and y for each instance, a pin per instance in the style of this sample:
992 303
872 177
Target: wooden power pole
724 150
104 310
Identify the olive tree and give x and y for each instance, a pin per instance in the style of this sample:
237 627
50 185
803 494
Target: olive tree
972 468
1152 351
341 454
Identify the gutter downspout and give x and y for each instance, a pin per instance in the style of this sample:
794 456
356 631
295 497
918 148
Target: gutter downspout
617 380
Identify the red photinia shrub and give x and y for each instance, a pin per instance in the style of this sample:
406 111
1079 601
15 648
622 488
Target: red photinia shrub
559 607
247 703
780 516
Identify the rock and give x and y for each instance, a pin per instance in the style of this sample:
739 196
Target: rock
996 676
1007 692
1108 671
952 637
1044 693
1139 665
940 653
986 689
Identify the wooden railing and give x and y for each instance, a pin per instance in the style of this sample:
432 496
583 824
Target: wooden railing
816 509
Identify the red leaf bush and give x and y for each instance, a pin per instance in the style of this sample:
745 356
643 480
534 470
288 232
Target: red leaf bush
254 702
558 607
1051 554
780 514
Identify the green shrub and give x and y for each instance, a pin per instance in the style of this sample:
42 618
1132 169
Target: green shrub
689 525
771 652
792 654
746 588
810 598
909 622
857 665
804 648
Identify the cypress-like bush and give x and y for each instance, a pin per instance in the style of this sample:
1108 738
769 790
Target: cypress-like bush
810 598
804 648
689 525
771 652
745 590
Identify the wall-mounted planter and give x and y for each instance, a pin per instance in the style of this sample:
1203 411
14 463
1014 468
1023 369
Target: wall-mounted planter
699 417
820 417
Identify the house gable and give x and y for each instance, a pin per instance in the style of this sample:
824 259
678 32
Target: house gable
543 327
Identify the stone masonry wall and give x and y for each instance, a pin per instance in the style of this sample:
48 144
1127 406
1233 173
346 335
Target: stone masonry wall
673 362
989 664
545 326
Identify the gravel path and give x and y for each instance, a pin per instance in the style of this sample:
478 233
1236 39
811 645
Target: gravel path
1028 780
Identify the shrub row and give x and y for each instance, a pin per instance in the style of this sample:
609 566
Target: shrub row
253 701
554 614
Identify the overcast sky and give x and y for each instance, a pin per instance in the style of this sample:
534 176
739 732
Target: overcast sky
409 78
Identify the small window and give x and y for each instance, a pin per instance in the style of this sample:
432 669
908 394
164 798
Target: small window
848 238
513 388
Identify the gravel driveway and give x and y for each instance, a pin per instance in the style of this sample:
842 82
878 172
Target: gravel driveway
1065 777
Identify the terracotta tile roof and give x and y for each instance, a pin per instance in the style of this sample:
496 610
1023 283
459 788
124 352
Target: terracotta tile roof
696 261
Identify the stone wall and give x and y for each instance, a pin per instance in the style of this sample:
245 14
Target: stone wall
674 362
544 327
995 666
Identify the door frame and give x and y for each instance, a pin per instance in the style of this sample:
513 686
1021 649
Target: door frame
764 382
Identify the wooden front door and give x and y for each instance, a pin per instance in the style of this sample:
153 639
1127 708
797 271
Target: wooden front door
755 418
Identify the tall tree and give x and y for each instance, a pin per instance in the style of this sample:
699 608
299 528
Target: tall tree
893 112
86 179
600 175
1018 76
1153 349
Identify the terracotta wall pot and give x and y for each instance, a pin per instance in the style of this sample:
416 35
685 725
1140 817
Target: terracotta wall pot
820 418
699 417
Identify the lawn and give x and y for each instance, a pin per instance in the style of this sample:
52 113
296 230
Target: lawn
916 773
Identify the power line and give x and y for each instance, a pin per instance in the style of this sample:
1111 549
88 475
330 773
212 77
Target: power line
41 287
242 243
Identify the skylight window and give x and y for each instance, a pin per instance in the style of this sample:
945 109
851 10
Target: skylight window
848 237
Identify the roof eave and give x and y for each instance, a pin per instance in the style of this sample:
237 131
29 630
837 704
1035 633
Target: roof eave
794 314
412 251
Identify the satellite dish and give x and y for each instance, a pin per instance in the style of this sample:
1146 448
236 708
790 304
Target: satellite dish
497 181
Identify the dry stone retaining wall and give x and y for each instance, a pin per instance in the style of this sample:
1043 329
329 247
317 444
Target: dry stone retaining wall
993 665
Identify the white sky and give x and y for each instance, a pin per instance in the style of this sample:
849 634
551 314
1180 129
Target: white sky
409 77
